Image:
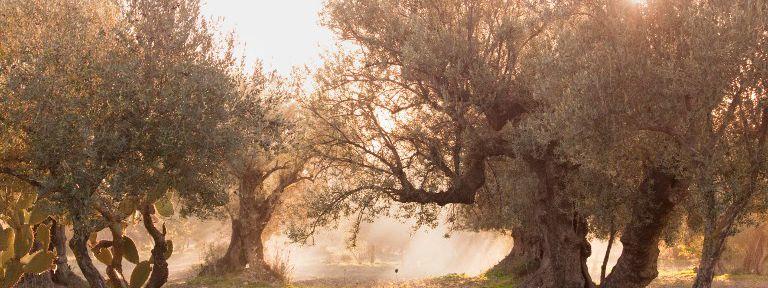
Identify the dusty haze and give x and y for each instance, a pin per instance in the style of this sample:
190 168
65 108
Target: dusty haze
426 252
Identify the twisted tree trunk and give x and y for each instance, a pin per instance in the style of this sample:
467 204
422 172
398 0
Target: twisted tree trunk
526 253
637 266
159 275
79 246
717 231
550 248
246 246
115 268
63 275
549 256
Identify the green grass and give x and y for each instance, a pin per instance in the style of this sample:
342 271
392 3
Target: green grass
687 273
499 281
741 277
226 281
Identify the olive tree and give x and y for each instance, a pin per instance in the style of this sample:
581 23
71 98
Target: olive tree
591 100
118 105
267 162
428 94
644 88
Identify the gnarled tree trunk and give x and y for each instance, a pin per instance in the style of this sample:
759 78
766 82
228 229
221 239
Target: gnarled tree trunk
550 248
526 253
717 230
246 246
548 257
79 246
63 275
637 266
159 275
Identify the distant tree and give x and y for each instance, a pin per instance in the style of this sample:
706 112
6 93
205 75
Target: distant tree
745 252
268 162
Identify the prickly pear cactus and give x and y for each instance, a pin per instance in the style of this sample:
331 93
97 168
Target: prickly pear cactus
17 241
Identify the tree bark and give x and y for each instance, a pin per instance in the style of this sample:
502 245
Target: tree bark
604 267
525 256
159 275
79 246
710 255
563 234
63 275
550 248
36 281
246 247
540 260
716 232
637 265
115 269
245 242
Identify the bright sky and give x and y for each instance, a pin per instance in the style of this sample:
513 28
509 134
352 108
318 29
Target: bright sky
282 33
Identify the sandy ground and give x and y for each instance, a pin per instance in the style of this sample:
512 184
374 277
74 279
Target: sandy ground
355 279
742 282
419 256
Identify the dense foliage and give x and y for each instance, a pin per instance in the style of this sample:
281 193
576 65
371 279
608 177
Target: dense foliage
129 107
